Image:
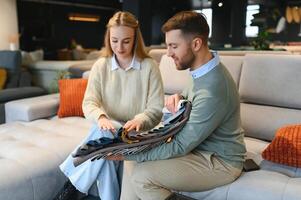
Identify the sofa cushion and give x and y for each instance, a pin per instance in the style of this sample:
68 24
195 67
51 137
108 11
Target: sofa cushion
72 93
11 61
31 57
18 93
290 171
285 148
174 81
157 54
31 152
271 80
30 109
260 121
233 64
254 149
77 70
259 185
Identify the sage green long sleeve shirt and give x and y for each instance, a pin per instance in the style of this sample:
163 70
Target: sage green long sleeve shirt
214 124
123 95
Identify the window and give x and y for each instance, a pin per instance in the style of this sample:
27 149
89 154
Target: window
251 31
208 14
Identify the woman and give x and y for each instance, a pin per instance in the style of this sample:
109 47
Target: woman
124 89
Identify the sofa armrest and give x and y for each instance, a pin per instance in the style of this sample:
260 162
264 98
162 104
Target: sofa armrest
11 94
32 108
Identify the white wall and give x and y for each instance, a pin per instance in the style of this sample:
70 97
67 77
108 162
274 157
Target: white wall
8 23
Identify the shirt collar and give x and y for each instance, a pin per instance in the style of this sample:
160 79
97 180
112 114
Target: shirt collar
135 63
207 67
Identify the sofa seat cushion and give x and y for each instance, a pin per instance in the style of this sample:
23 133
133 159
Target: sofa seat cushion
254 148
30 153
30 109
259 185
290 171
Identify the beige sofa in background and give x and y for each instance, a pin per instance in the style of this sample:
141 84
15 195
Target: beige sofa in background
34 141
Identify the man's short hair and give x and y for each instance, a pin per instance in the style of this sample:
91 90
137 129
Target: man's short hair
190 23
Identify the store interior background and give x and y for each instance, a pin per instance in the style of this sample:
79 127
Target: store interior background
46 24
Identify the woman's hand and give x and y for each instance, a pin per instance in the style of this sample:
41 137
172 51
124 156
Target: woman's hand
171 102
133 124
105 124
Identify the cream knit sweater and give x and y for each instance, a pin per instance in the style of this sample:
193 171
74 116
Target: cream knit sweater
124 95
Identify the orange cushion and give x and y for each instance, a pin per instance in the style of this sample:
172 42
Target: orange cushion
71 97
285 148
3 77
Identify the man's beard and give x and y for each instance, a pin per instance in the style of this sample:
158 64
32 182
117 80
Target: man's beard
188 60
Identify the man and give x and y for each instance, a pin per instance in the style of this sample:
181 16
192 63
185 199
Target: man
209 151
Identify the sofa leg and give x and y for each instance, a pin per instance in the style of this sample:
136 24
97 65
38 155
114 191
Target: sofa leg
69 192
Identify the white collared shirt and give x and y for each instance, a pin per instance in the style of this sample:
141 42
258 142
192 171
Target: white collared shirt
207 67
135 64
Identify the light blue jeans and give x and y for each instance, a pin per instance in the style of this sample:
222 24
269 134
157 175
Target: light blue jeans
107 174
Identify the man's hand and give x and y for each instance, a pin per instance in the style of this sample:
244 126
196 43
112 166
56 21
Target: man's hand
171 102
115 157
133 124
105 124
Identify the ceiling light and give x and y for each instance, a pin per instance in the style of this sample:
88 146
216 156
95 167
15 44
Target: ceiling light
83 17
220 4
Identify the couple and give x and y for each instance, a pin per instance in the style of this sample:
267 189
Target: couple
125 89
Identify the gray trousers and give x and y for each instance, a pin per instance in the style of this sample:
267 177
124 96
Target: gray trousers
155 180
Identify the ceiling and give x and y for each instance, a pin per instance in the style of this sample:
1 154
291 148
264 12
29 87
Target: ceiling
96 4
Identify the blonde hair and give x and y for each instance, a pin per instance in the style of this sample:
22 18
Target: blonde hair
124 19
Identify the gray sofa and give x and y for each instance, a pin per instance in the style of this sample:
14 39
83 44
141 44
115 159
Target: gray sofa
46 72
31 148
18 84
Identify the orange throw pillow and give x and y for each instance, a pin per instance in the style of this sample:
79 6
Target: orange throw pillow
3 77
71 97
285 148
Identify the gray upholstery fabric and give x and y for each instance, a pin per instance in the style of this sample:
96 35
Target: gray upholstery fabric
233 64
174 81
25 79
259 185
77 70
2 110
18 93
271 80
18 81
219 193
31 152
283 169
11 60
293 189
254 148
30 109
261 121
